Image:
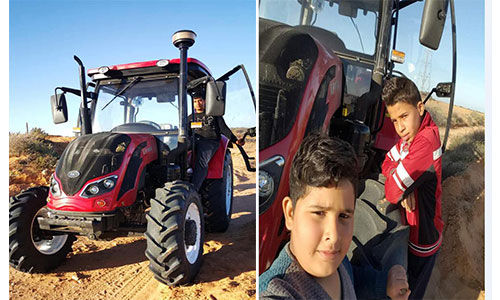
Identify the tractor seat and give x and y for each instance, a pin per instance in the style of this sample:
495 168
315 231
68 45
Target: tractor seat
167 133
135 128
170 140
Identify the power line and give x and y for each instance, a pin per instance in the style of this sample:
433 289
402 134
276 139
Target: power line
424 75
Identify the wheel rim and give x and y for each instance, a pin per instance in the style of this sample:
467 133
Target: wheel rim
44 245
229 191
193 218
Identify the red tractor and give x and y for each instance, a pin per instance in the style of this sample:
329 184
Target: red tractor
322 65
125 175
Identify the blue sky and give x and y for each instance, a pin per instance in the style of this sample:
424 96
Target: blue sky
44 36
470 89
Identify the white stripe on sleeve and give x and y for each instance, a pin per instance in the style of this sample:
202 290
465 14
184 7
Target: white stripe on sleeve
395 153
389 155
437 154
397 182
403 174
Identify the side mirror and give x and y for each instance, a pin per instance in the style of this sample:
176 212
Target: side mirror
433 19
443 89
59 108
215 98
348 9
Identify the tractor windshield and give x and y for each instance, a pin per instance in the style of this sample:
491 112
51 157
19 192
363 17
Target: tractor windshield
152 101
354 22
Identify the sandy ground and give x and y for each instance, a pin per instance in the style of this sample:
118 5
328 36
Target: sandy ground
459 269
118 269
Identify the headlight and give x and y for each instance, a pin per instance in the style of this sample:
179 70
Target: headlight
54 187
94 189
266 184
270 172
108 183
103 70
162 62
99 187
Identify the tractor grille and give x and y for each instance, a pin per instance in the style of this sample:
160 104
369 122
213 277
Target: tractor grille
278 109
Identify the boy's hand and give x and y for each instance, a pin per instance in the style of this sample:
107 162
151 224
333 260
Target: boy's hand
397 284
409 202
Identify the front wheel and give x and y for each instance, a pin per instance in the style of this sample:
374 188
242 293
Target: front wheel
218 198
175 234
30 248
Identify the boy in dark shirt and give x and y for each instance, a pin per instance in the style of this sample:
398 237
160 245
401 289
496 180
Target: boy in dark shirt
413 171
320 215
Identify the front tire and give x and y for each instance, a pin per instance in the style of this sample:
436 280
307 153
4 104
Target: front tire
30 248
175 234
218 198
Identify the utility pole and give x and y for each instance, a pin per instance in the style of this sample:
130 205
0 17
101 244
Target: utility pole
424 75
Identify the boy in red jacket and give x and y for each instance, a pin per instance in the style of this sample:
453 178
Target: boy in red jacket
413 171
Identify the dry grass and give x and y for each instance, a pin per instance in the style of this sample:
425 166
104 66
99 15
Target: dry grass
465 145
32 159
35 146
461 117
462 151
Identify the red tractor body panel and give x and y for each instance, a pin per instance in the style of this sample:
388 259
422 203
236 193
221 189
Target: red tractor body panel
216 164
387 136
272 232
151 63
79 203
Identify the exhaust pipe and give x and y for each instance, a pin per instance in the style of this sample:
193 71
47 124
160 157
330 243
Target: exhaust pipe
84 110
183 39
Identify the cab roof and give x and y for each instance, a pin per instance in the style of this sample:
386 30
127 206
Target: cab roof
196 69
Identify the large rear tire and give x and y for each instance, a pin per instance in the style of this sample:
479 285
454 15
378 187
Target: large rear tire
30 248
175 234
217 197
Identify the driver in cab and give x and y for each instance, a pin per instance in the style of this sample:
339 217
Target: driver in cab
207 131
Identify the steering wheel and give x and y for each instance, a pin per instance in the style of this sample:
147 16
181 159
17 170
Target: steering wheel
156 125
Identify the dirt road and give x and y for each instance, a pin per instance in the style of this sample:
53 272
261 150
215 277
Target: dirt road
118 269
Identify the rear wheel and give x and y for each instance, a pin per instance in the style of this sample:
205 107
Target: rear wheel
218 198
30 248
175 234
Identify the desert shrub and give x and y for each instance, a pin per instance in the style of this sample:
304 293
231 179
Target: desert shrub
34 145
45 162
462 151
477 119
438 116
38 133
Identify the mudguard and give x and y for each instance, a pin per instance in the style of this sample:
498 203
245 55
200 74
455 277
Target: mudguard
216 164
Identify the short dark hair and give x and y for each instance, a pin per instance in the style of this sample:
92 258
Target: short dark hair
322 161
198 93
400 89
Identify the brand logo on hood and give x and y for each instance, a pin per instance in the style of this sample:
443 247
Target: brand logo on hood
73 174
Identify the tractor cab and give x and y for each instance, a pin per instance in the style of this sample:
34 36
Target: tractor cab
140 98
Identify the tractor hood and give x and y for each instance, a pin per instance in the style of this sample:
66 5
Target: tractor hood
88 157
